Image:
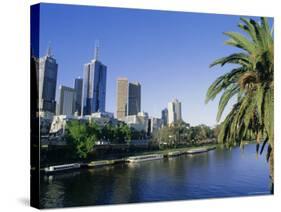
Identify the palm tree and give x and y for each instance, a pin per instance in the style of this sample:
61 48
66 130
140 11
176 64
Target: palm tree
252 83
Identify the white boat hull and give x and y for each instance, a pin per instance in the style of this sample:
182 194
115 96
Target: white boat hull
145 158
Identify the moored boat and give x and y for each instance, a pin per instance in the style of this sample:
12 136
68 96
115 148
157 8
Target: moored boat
100 163
63 167
211 148
144 158
175 153
196 151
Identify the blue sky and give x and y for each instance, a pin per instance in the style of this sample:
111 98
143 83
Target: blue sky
167 52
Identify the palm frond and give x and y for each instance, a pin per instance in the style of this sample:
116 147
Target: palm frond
240 41
237 58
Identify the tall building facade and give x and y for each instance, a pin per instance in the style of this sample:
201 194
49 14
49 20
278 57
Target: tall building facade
128 98
134 98
155 124
174 111
78 86
177 105
94 87
48 69
122 98
66 100
164 117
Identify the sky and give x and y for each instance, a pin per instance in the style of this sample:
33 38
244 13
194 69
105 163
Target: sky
167 52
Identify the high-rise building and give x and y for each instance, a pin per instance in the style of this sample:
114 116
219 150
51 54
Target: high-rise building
67 101
94 86
156 124
177 106
122 98
174 111
128 98
48 69
164 117
134 98
78 86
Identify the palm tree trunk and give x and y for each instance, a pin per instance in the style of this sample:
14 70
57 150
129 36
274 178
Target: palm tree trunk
271 170
258 144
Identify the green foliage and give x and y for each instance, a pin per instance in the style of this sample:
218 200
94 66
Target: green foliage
252 82
82 137
182 133
121 134
107 132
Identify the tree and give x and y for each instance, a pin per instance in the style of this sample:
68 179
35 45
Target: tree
252 83
82 137
107 132
121 133
181 133
126 132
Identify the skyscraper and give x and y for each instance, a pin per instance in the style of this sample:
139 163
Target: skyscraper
177 106
66 101
94 86
122 98
48 69
164 117
78 86
134 101
128 98
174 111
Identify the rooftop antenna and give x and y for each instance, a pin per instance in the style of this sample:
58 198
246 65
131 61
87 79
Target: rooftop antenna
49 52
97 46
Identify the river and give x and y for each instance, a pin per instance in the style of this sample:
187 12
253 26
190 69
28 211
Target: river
217 173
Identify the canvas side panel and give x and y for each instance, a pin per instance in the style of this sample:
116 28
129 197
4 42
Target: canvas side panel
34 109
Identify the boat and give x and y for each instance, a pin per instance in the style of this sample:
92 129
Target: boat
175 153
133 159
196 151
100 163
211 148
64 167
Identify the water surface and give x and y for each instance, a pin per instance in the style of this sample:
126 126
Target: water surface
218 173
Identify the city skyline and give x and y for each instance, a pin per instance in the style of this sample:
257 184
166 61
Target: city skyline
172 59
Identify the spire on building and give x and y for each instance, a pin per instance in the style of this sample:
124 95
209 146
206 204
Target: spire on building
97 46
49 50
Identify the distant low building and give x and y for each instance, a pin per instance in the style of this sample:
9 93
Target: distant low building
139 122
102 115
100 118
59 123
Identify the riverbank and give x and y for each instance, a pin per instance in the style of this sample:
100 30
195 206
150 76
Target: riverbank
206 175
101 163
183 149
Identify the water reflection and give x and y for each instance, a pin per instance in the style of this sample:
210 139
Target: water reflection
214 174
